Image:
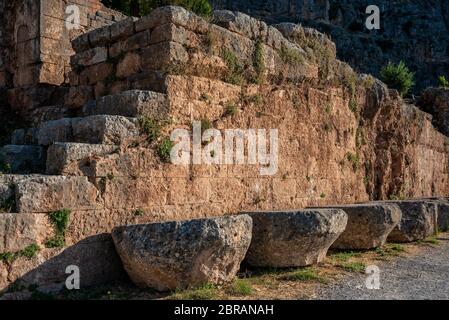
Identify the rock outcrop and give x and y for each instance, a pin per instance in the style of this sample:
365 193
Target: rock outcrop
419 221
368 225
412 31
294 238
436 102
179 255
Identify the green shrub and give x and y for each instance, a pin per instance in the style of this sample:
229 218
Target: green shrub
231 110
258 63
398 77
8 205
29 252
206 124
7 257
139 213
57 241
5 168
353 105
354 159
150 127
290 56
235 70
443 82
164 149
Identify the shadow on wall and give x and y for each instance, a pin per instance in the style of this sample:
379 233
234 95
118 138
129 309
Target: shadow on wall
95 256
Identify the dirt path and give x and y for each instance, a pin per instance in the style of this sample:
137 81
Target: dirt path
423 276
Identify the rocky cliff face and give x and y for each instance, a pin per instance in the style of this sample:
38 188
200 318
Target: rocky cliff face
416 31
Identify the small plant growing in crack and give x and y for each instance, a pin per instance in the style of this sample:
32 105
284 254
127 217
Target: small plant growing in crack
163 150
230 111
60 220
29 252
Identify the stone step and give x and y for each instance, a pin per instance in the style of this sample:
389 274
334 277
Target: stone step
67 157
18 231
24 136
98 129
8 191
43 194
23 159
132 103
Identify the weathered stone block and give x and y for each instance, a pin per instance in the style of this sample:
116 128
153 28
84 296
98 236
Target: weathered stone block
131 103
419 221
90 57
55 131
81 43
294 238
95 256
122 29
17 231
161 55
104 129
185 254
368 225
129 65
24 136
443 214
100 37
64 158
51 27
96 73
78 96
172 14
171 32
50 193
99 129
240 23
23 158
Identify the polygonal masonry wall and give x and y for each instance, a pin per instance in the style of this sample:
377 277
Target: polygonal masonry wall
329 151
35 46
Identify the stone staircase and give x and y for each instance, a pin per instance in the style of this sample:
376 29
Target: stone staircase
39 177
36 180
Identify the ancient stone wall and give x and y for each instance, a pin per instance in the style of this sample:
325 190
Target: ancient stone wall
343 137
415 31
36 49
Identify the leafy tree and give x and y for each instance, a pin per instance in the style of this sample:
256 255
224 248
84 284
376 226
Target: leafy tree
398 77
144 7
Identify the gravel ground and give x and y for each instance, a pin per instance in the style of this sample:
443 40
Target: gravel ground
421 277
